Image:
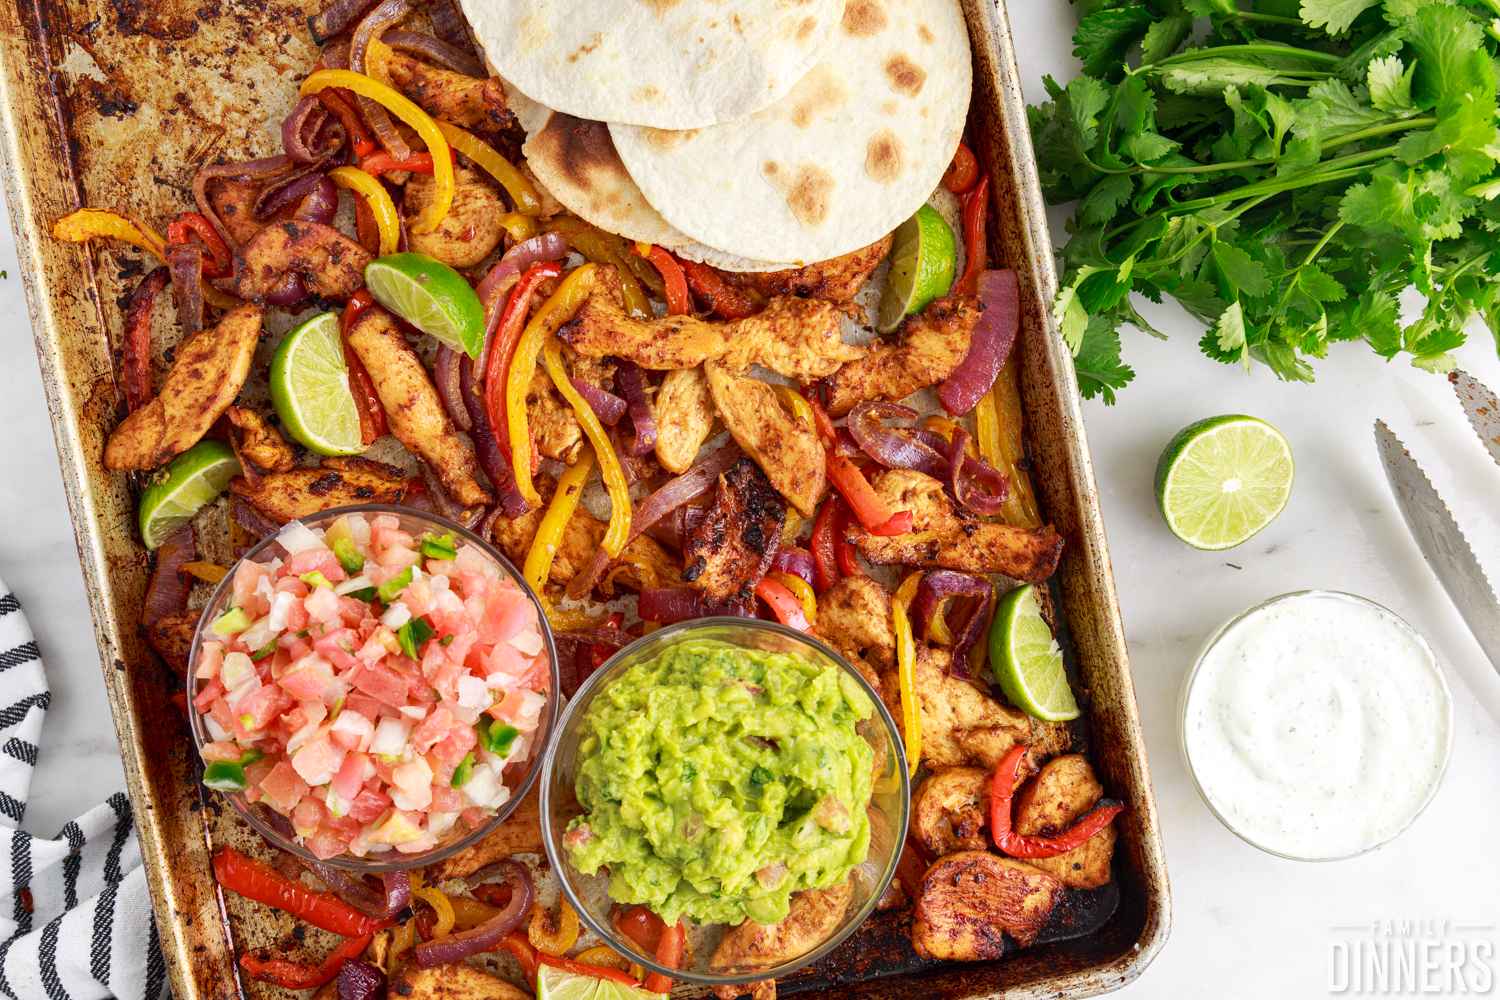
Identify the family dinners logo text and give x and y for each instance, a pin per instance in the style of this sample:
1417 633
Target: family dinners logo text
1409 956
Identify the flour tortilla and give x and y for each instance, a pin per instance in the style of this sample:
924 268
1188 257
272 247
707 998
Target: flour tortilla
663 63
851 152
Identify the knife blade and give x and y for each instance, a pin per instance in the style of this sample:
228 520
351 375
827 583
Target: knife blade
1442 543
1481 407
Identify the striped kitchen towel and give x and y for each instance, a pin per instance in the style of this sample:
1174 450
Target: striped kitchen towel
75 915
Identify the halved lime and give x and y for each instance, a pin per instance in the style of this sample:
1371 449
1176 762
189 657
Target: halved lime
1027 661
310 388
557 984
922 259
1222 479
192 479
431 296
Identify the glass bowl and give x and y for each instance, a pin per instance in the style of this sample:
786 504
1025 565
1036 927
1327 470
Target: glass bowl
519 778
890 800
1185 700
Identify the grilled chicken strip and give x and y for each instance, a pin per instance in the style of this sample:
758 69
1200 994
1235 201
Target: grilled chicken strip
854 616
837 280
413 410
471 228
454 981
730 550
684 412
331 264
966 900
947 536
1063 791
521 833
790 455
286 496
950 808
456 98
233 201
172 637
260 442
556 429
646 563
950 709
208 372
798 338
813 915
932 345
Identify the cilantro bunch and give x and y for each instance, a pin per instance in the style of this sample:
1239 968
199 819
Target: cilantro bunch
1282 172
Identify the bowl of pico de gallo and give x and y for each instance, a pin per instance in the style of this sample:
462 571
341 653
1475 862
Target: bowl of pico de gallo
373 688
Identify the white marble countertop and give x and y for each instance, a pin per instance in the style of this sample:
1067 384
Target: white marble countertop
1245 924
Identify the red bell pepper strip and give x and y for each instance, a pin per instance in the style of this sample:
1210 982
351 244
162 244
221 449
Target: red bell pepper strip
191 222
291 976
515 942
822 422
366 400
580 969
135 361
365 227
378 163
678 302
1021 846
342 108
843 550
643 927
512 325
259 881
872 512
975 239
784 605
720 297
598 652
962 172
668 953
823 545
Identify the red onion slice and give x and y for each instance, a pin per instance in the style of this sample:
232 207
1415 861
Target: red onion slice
167 593
990 342
457 947
796 561
451 28
250 519
334 18
608 407
631 382
382 16
305 125
352 889
445 375
360 981
185 260
434 50
268 169
680 604
893 448
288 292
962 487
321 203
937 587
486 448
613 637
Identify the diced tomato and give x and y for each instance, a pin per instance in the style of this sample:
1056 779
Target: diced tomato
305 682
368 805
338 646
283 786
507 659
514 613
308 814
364 704
315 560
221 750
208 695
291 585
460 740
418 691
351 777
352 612
473 816
221 713
318 760
326 842
210 659
417 597
246 576
433 729
510 708
445 798
537 675
262 707
382 683
352 731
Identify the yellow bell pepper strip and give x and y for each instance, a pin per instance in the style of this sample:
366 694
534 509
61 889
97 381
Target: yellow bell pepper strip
441 907
437 145
997 420
801 590
792 527
603 955
84 224
521 227
618 532
796 402
944 428
550 532
521 192
569 619
590 242
379 200
906 665
206 571
553 937
558 309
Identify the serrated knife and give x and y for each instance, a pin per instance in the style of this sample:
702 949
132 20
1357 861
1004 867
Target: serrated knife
1482 409
1441 541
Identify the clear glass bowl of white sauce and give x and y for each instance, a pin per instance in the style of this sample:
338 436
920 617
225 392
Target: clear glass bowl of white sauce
1316 726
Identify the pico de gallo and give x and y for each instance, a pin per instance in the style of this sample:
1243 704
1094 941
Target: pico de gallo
372 686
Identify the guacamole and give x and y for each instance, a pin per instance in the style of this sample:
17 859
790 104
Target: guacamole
717 780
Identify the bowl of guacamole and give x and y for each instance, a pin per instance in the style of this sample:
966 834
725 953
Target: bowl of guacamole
714 772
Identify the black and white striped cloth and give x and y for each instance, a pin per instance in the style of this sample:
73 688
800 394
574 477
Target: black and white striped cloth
75 914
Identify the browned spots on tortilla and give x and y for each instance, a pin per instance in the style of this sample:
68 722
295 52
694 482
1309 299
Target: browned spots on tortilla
581 149
864 17
807 190
806 28
583 50
533 33
885 158
924 33
890 107
904 75
664 140
651 93
660 7
822 91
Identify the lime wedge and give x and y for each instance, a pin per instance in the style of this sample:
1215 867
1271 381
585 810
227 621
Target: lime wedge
192 479
1027 661
922 259
431 296
1222 479
310 388
553 983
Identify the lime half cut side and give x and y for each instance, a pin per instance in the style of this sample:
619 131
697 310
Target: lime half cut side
191 480
922 261
1223 479
1027 661
431 296
310 388
553 983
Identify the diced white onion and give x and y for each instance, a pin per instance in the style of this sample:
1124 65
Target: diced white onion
528 642
281 609
473 692
352 584
396 615
298 537
390 737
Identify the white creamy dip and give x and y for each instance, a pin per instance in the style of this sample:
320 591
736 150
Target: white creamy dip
1317 726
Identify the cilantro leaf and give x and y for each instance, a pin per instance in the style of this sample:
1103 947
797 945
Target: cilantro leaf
1163 37
1239 272
1104 38
1229 335
1390 87
1333 16
1100 370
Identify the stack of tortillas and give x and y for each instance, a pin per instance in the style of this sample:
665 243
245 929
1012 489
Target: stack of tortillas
752 135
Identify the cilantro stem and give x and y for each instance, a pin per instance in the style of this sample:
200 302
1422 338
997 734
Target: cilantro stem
1318 247
1246 15
1290 51
1379 130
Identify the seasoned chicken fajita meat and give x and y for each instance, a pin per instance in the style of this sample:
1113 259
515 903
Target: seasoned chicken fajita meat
967 901
728 552
412 407
837 280
1063 791
950 808
789 453
286 496
209 371
684 411
798 338
947 536
813 915
262 443
331 264
932 345
454 981
854 616
469 231
455 98
950 709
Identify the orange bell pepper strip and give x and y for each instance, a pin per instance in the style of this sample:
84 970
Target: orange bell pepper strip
292 976
1022 846
507 335
976 241
821 420
378 163
678 302
962 172
784 604
366 400
872 512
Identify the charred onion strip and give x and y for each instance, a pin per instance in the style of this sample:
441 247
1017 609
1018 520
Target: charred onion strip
381 17
457 947
434 50
937 588
631 382
990 342
135 362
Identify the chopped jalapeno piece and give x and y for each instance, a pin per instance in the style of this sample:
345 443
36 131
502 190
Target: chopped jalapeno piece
225 776
413 634
264 651
439 546
348 556
316 579
365 594
463 772
251 756
232 621
388 591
